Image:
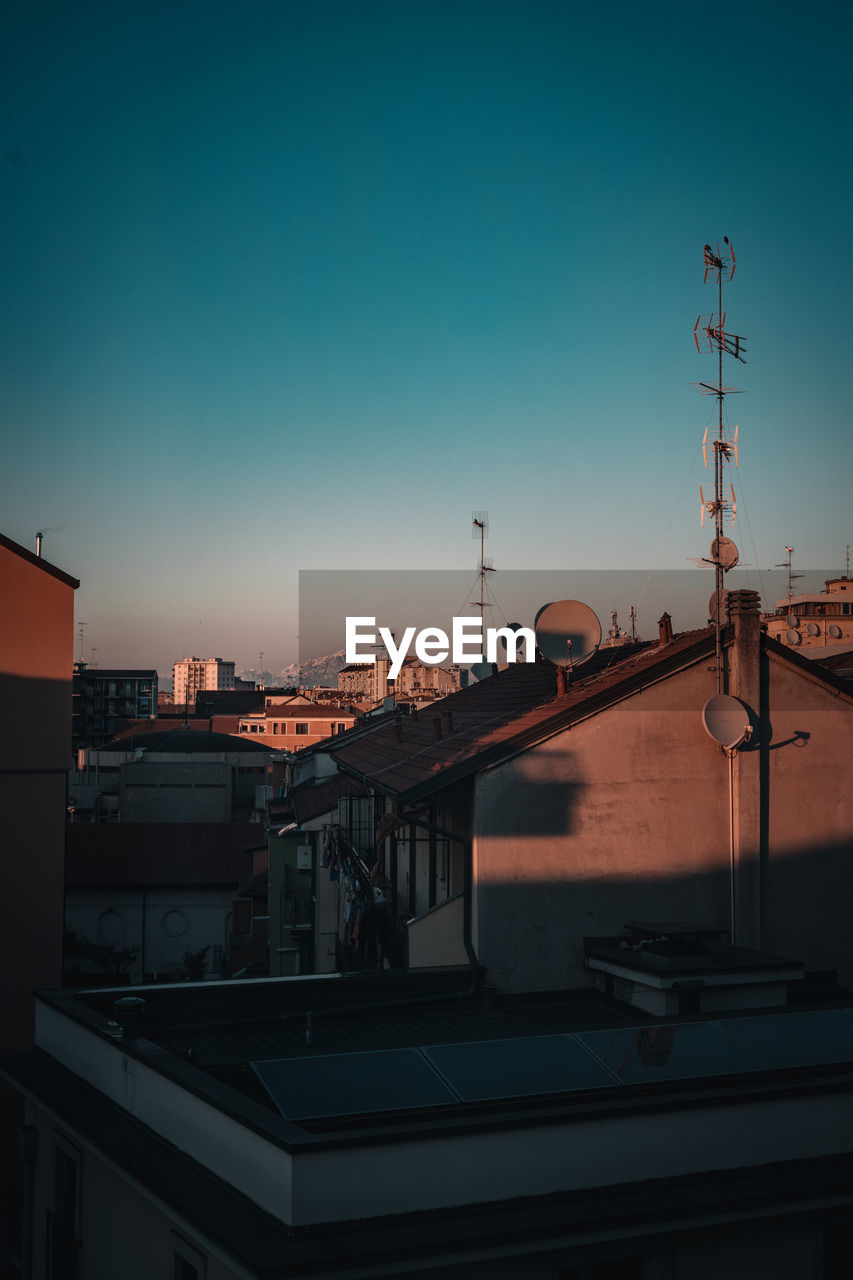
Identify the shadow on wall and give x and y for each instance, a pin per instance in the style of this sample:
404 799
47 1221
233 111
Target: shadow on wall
531 931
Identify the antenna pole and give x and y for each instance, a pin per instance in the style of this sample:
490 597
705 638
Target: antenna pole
712 332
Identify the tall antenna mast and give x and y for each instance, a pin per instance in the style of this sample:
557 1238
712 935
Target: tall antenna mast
480 528
710 334
787 564
80 626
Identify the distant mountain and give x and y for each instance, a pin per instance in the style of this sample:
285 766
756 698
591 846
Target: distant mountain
316 672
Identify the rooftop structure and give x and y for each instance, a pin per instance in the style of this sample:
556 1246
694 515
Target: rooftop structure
389 1125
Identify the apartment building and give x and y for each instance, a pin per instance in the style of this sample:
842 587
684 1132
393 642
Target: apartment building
193 675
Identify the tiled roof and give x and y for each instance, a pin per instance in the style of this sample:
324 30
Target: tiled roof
504 713
178 740
158 853
313 711
311 799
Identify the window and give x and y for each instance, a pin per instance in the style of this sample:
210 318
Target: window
300 727
188 1263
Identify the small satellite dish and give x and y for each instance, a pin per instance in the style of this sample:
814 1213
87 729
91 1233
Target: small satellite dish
567 632
539 613
813 629
513 626
792 620
835 630
725 553
793 637
712 605
726 720
480 670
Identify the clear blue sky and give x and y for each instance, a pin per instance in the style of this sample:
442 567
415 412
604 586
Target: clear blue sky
300 286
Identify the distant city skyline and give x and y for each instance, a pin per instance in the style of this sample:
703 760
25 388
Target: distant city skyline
299 287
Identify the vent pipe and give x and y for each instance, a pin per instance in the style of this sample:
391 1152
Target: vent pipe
39 540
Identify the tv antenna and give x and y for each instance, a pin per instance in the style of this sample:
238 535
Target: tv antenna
480 529
80 626
788 564
710 334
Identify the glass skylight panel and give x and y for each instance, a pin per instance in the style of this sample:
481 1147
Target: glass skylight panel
520 1067
347 1084
805 1039
643 1055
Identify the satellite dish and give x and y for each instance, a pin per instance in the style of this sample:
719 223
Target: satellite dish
480 670
724 552
813 629
835 630
712 605
539 613
513 626
792 620
726 720
793 637
567 632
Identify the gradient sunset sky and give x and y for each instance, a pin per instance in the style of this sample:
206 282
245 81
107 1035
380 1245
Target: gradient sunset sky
301 285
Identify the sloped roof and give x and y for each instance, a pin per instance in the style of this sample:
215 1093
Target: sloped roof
39 562
178 740
498 716
158 853
311 799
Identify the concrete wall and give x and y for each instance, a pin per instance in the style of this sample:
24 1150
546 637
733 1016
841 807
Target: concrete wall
161 924
436 937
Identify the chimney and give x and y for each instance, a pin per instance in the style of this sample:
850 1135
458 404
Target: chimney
561 680
447 722
398 729
744 610
665 626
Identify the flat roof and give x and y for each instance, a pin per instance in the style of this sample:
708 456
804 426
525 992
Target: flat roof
265 1050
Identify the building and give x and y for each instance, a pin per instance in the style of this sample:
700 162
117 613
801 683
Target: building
528 815
193 675
175 775
294 723
416 679
140 897
390 1125
815 620
36 656
105 698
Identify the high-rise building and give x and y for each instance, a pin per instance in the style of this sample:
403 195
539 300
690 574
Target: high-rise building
190 675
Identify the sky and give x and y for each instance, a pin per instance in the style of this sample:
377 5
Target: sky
301 286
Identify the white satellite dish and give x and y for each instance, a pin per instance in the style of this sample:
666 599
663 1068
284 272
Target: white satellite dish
480 670
725 553
835 630
813 629
793 637
792 620
712 605
567 632
726 720
539 613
